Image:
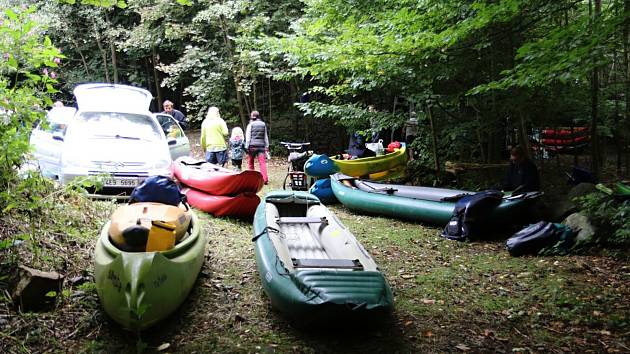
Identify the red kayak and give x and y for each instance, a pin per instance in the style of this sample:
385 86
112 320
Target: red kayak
214 179
566 141
242 205
562 132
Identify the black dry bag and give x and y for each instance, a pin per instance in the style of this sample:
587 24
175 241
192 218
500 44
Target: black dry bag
534 238
158 189
470 215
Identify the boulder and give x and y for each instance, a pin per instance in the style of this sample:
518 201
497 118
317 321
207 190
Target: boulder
564 205
581 226
35 287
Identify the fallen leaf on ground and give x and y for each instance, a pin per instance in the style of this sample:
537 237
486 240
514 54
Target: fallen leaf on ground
462 347
163 346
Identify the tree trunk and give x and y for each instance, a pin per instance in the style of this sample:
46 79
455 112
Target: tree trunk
255 105
112 49
269 116
235 75
147 73
239 99
294 93
394 129
626 58
523 132
248 105
494 146
114 64
595 163
613 79
156 80
480 136
85 66
103 53
433 138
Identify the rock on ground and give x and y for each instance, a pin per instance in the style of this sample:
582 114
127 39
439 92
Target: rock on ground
33 288
582 226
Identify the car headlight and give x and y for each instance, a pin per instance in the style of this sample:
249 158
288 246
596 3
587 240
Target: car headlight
162 164
162 167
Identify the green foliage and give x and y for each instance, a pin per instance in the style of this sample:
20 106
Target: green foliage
26 81
491 63
104 3
351 116
611 215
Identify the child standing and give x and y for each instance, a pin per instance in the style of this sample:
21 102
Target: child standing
237 147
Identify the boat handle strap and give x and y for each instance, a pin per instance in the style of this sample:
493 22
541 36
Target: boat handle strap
264 231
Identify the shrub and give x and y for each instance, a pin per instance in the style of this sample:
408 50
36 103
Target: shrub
610 214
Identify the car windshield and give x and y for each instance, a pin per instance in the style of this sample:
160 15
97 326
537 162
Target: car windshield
107 125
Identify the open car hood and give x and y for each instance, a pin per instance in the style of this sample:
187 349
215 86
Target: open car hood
108 97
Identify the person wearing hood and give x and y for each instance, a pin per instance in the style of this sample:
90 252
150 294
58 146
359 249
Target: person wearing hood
213 134
237 147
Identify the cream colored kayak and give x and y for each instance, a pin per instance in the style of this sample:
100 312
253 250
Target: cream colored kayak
131 223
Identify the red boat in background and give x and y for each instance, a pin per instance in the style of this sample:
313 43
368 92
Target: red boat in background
214 179
566 141
242 205
564 132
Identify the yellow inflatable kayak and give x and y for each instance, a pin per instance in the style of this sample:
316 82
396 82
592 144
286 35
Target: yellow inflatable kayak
140 227
373 167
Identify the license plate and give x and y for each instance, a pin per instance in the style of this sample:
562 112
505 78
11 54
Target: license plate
121 182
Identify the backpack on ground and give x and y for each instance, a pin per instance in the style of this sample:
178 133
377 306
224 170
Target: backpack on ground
535 238
470 215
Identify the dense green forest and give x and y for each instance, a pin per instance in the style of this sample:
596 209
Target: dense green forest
480 74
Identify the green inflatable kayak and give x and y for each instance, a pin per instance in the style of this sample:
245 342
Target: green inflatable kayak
424 204
138 289
312 267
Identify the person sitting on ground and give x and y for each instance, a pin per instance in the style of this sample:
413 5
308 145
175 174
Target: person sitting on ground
522 174
179 116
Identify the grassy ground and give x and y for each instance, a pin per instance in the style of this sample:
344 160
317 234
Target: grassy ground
449 297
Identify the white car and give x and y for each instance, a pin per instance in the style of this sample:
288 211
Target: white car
112 133
47 140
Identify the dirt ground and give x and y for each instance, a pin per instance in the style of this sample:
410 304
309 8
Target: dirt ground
449 297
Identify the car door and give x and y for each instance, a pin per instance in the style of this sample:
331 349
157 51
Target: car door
47 142
178 143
